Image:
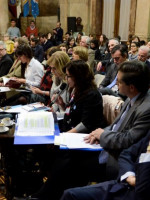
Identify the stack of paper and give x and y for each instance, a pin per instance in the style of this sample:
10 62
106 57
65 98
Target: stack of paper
74 141
33 124
28 108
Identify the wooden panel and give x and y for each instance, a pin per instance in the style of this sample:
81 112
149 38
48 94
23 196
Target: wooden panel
132 17
117 17
97 15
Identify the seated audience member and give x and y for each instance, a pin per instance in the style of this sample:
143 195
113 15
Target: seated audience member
94 44
63 47
132 182
57 62
49 53
15 70
42 93
67 35
80 53
37 49
133 122
70 44
33 72
13 31
133 53
9 46
107 60
100 52
85 42
92 36
45 43
33 69
84 112
109 84
78 39
5 60
32 29
143 54
142 42
84 94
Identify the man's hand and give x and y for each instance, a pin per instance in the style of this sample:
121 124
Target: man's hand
94 136
99 66
131 180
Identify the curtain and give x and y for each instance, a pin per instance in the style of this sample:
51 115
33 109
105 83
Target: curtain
108 18
124 19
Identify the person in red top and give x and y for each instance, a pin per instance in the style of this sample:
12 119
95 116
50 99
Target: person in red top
32 29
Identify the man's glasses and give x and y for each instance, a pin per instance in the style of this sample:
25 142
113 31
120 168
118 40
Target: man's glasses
1 49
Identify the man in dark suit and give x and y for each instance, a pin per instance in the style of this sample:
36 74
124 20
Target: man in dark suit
143 54
58 33
130 126
5 60
109 84
37 49
133 180
45 43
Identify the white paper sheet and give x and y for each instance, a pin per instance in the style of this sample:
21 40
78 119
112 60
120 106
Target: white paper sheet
74 141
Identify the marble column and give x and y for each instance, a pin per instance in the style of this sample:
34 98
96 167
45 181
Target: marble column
4 19
142 24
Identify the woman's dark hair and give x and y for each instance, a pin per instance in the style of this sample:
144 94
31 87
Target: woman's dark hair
105 39
95 41
82 76
69 39
24 50
136 73
137 44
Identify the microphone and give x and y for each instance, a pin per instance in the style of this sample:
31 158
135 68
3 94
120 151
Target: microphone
59 92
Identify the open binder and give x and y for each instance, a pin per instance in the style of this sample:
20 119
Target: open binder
23 135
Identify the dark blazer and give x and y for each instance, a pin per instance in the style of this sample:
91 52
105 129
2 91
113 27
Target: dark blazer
110 75
38 53
47 45
133 128
129 161
5 65
88 110
148 63
114 190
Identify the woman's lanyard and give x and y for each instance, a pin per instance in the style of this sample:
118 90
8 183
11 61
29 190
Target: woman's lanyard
67 111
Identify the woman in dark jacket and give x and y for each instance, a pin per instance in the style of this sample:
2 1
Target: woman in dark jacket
84 112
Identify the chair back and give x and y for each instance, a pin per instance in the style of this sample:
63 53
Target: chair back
111 107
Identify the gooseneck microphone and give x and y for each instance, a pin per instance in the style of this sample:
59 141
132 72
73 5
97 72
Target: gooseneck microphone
59 92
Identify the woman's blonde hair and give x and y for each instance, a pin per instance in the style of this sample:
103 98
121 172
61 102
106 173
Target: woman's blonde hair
82 52
59 59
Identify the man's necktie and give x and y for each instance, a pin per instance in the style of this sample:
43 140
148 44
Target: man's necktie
103 156
118 124
113 83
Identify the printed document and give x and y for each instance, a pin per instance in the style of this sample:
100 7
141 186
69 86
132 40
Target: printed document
35 124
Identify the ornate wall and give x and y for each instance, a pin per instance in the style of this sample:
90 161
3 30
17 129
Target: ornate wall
142 25
4 17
